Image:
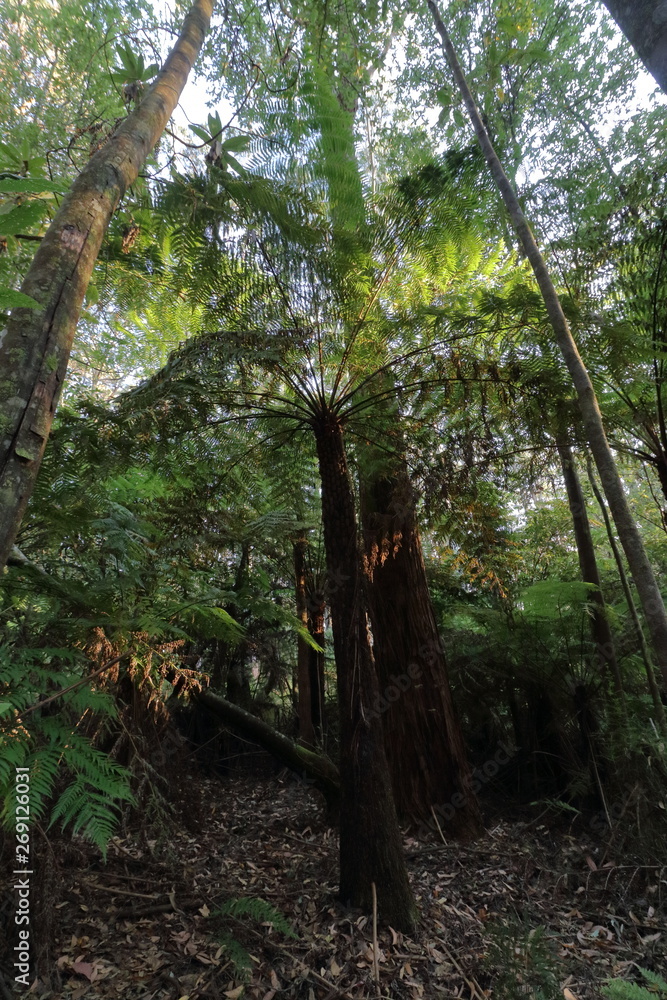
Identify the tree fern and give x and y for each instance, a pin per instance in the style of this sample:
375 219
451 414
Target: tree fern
52 750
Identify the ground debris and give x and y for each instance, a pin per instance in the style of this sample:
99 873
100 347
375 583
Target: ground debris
147 925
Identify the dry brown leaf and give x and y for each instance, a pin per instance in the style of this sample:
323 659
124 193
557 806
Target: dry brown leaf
88 970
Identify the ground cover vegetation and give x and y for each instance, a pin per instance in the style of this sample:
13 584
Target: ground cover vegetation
333 478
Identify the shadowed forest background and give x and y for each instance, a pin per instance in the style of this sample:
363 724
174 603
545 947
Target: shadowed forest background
333 499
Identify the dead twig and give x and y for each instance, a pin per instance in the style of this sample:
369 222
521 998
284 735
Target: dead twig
376 963
442 836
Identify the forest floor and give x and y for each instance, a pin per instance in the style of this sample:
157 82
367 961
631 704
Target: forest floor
144 925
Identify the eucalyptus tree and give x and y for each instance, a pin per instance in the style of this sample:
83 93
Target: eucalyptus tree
35 347
642 571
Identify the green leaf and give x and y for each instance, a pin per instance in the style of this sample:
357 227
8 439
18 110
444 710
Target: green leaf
214 124
233 162
10 299
129 60
237 143
23 217
28 185
200 132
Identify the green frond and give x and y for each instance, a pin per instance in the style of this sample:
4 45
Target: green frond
258 910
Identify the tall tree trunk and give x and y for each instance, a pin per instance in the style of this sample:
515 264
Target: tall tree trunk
316 609
310 663
423 740
370 839
237 672
642 572
306 727
35 347
644 24
602 637
629 600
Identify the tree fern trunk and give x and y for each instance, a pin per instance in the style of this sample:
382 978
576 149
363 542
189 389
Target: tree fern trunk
35 347
370 839
423 739
628 533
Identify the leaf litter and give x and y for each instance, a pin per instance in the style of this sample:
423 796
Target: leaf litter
145 924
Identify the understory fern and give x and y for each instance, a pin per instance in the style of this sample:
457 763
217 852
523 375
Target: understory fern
619 989
50 746
521 962
259 911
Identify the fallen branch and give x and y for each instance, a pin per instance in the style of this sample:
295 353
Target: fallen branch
318 769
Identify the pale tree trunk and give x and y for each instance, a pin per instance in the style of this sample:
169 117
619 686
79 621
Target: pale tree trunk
35 347
628 533
306 727
371 851
629 600
644 24
600 630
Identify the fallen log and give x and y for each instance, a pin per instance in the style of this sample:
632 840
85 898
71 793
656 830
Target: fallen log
321 772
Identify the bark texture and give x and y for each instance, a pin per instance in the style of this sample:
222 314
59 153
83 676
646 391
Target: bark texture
600 631
427 757
644 24
35 347
310 663
370 840
642 572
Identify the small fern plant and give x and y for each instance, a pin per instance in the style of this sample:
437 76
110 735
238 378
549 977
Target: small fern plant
50 746
620 989
521 962
257 910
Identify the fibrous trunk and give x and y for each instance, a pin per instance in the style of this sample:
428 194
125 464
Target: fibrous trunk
423 740
370 839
